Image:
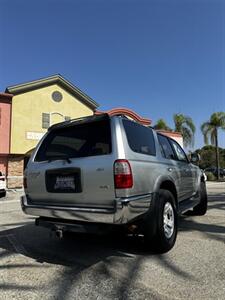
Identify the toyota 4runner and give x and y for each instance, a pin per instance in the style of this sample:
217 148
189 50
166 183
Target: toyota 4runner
99 172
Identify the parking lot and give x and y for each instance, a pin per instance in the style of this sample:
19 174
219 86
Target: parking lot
36 265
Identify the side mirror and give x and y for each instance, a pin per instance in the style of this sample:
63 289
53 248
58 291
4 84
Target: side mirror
195 158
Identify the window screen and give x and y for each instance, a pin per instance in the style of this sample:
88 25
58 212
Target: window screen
45 120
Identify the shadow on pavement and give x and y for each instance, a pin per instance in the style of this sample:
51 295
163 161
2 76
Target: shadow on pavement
214 229
86 249
98 253
82 252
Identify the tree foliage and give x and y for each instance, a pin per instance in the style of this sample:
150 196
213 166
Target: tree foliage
210 131
208 157
185 125
210 128
161 125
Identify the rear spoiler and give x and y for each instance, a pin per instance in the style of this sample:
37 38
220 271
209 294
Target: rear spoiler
77 121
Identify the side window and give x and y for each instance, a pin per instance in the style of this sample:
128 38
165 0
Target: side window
179 151
166 148
140 138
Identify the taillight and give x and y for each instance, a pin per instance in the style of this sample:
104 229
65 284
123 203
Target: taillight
25 182
122 174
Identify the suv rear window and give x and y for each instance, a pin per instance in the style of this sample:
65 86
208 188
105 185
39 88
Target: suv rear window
140 138
81 140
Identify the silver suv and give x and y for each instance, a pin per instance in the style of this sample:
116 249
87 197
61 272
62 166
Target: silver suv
91 173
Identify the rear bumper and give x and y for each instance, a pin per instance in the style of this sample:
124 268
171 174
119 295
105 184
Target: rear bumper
124 210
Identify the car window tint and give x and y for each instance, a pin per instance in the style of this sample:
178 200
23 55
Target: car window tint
140 138
179 151
161 150
88 139
166 148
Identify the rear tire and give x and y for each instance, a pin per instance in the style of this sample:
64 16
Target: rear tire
160 229
201 208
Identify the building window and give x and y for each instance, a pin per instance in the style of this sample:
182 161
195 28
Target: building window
57 96
45 120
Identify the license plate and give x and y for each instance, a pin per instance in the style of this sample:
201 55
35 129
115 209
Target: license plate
64 183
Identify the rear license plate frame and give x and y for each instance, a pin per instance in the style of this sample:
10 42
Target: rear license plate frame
54 186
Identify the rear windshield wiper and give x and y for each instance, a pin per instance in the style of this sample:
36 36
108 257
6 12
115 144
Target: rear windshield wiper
60 157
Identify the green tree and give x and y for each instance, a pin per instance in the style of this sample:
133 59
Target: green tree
161 125
208 158
186 127
210 130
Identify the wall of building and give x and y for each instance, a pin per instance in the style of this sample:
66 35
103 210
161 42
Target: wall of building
27 109
15 172
5 112
5 124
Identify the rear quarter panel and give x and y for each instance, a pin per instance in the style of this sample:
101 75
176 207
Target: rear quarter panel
148 170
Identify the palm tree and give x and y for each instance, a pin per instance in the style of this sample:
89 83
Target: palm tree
186 127
210 129
161 125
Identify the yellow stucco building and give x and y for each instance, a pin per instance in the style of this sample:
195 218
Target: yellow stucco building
36 105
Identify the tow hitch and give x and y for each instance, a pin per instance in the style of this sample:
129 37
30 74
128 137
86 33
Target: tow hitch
59 233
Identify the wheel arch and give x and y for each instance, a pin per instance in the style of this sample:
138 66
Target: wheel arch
167 184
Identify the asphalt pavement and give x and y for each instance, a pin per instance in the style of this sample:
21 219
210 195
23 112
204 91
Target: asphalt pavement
36 265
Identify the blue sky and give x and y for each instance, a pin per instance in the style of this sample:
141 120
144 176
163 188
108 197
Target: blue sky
157 57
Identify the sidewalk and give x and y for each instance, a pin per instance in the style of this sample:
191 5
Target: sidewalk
222 183
216 188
